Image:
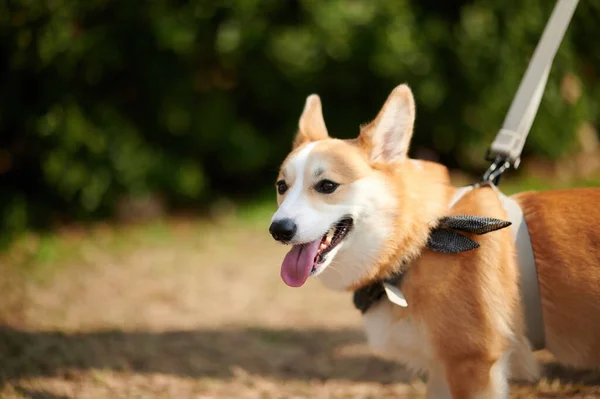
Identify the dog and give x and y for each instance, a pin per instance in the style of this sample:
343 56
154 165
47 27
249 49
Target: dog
357 212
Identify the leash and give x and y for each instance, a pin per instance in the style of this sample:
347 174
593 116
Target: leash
505 150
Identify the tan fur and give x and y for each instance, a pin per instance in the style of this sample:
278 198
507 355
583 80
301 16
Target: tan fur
464 323
338 161
563 225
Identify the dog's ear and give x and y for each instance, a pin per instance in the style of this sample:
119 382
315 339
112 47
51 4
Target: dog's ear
311 126
387 138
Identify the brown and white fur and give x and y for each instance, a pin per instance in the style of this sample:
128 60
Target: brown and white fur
464 322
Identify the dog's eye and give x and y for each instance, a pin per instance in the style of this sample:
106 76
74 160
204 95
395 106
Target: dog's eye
326 186
281 187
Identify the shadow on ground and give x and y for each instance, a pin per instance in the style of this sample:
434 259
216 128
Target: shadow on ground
312 354
37 394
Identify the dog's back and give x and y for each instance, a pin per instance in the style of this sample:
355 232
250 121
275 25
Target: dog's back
565 235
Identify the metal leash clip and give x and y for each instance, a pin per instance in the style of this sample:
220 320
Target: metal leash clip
496 169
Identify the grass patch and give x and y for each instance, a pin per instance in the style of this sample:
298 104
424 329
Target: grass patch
37 256
259 209
511 186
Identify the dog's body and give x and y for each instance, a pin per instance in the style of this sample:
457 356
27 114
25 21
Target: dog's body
566 245
358 211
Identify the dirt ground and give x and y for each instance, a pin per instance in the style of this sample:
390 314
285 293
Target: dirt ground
191 310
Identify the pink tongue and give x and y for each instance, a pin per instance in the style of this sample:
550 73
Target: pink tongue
298 263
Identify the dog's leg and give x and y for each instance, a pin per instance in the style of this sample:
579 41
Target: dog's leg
479 377
523 365
437 385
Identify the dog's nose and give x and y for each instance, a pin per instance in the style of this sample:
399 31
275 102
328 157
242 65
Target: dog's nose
283 229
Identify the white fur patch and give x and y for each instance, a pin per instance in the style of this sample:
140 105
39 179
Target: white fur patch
499 388
294 196
404 340
523 364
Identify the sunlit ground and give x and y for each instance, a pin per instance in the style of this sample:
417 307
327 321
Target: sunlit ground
192 309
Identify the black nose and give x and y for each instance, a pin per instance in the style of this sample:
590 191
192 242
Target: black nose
283 229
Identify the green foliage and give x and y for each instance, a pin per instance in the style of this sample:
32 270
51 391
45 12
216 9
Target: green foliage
194 100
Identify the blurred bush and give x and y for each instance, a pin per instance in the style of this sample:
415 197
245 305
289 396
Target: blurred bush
102 99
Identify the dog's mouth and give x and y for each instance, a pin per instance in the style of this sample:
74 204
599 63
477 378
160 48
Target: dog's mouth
305 260
330 240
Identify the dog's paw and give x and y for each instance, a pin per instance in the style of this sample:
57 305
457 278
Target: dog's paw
524 367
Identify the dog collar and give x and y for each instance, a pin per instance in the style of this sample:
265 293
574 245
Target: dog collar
444 238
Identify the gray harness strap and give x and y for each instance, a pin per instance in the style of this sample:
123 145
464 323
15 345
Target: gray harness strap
528 280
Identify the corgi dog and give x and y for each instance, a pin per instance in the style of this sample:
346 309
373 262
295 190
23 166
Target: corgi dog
357 212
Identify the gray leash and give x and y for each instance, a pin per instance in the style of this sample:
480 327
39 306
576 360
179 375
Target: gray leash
505 151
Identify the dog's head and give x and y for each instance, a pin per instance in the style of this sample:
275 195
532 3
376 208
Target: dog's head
339 200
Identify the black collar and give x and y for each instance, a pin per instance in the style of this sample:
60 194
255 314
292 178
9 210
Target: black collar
442 238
